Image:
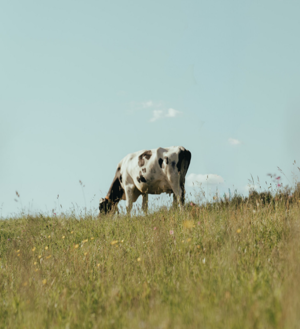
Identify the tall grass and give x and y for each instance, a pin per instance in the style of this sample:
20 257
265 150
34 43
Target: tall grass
233 265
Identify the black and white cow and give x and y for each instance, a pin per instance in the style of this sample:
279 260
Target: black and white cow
148 172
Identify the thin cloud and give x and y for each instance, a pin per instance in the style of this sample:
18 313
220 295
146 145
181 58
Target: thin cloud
159 109
233 141
172 113
160 114
210 179
157 114
251 187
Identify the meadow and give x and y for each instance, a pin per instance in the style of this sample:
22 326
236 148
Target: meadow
220 265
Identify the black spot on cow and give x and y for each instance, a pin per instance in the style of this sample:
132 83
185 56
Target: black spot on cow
167 160
144 170
121 178
141 178
119 168
173 163
184 159
146 155
160 161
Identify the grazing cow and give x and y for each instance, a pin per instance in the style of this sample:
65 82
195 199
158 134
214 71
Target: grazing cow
148 172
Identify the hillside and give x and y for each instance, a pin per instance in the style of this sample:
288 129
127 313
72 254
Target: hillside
217 266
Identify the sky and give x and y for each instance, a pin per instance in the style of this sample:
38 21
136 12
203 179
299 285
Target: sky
84 83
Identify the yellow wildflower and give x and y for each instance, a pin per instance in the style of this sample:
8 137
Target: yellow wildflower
188 224
72 232
122 241
49 236
63 237
198 247
92 238
182 241
33 249
98 265
36 270
34 263
44 281
139 259
18 255
189 239
84 241
18 251
25 284
46 248
85 253
40 256
48 257
76 246
114 242
238 230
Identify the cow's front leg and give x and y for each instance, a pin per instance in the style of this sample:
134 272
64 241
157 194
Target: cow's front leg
145 203
129 199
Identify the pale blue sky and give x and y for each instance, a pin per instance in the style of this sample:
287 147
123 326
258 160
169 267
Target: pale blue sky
81 83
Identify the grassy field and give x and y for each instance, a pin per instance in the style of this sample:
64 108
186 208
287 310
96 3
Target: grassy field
210 267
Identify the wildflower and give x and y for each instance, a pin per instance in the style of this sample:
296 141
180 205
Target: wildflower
278 177
254 211
188 224
198 223
34 263
25 284
48 257
182 241
18 251
154 228
72 232
189 239
171 232
40 256
33 249
122 241
36 270
85 253
198 246
76 246
98 265
18 255
44 281
139 259
63 237
92 238
84 241
203 261
238 230
49 236
46 248
114 242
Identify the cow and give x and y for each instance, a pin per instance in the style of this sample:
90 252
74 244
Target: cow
155 171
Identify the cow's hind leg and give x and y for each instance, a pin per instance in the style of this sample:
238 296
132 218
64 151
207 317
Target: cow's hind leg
177 197
145 203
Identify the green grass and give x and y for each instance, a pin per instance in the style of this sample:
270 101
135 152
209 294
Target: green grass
224 267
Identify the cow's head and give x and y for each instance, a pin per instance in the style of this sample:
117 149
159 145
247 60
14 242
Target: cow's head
104 206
